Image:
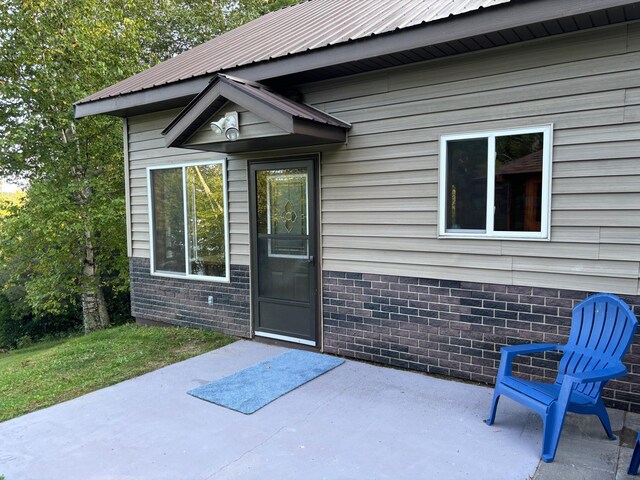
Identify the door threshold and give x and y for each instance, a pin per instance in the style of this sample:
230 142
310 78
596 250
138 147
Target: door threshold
285 338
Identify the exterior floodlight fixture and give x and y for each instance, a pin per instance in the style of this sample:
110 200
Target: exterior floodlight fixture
218 127
227 125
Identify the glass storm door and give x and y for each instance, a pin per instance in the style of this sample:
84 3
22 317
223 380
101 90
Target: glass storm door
283 244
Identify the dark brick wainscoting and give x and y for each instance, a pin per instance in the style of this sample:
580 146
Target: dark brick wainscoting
185 302
457 328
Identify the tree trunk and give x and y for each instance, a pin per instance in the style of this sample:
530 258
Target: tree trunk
94 307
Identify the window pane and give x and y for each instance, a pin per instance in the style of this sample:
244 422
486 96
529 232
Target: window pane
168 220
282 201
466 204
205 217
518 194
282 211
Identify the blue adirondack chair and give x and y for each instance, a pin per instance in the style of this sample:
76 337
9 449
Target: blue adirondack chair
635 458
601 331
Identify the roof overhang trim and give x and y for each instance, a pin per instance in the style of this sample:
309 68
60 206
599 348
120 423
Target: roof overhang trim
165 97
303 125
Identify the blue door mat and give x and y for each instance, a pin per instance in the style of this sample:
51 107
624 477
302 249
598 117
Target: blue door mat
254 387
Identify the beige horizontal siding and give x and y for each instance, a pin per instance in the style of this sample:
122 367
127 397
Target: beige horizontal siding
632 114
411 191
570 249
252 127
575 235
516 63
580 185
598 201
151 122
379 209
577 282
413 231
633 43
622 236
146 149
454 260
375 179
612 251
603 168
379 191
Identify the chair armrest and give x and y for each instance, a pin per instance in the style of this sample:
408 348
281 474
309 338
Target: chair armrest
510 352
530 348
601 375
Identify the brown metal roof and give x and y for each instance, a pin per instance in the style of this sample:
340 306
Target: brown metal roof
310 25
282 103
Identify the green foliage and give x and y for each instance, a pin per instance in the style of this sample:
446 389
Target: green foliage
19 327
118 303
8 201
55 371
52 53
268 6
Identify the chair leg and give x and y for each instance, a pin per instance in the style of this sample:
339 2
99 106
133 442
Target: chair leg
635 459
551 434
494 407
601 411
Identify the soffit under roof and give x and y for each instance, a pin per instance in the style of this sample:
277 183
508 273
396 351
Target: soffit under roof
301 124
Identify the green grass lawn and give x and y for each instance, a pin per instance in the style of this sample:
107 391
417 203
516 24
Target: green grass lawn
52 372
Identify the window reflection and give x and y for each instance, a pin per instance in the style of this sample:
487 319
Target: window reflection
203 188
205 220
467 184
492 183
168 220
518 183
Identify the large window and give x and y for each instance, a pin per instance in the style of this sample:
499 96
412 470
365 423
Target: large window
188 221
496 184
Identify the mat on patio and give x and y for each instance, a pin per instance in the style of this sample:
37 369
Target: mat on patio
254 387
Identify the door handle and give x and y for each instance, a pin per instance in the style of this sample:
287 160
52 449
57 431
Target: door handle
310 259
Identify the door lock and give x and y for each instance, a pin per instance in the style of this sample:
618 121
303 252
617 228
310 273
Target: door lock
310 259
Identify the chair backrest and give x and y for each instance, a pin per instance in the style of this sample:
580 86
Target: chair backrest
602 329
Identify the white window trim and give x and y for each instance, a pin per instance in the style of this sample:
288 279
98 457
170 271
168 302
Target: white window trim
186 275
489 233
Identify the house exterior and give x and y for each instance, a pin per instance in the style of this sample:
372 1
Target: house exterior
322 176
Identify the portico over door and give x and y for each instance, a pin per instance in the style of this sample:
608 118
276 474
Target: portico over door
284 249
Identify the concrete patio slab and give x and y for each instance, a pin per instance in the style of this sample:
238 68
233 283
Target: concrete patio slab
586 453
358 421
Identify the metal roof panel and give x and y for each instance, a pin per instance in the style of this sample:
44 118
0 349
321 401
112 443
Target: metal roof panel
296 29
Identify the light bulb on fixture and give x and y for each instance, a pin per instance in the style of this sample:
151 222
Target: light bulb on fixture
218 127
232 134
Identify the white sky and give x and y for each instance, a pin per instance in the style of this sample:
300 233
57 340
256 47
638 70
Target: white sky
9 185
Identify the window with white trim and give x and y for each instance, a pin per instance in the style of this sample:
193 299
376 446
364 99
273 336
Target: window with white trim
188 221
496 184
